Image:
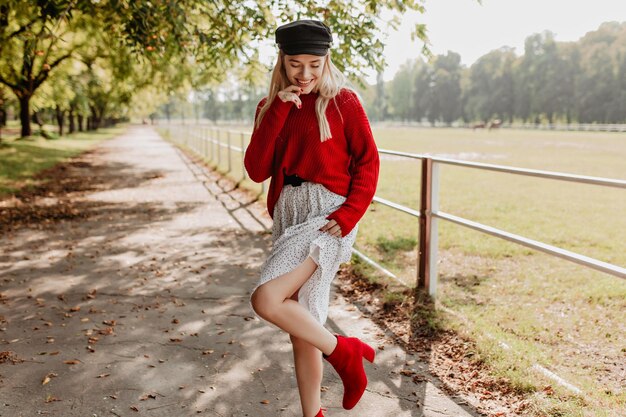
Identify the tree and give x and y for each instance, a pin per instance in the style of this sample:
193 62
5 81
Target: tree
446 88
490 92
422 91
3 110
380 100
401 92
31 46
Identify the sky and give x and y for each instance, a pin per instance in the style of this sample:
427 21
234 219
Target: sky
472 29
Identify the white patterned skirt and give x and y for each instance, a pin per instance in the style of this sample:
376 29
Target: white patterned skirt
298 215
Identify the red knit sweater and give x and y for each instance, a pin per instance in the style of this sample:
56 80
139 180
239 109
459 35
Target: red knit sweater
288 143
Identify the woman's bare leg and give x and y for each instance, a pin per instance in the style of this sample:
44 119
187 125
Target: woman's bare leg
309 371
272 302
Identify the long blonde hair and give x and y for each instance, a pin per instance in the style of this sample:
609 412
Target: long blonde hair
330 84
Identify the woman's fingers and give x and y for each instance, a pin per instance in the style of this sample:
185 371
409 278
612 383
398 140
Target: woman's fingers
332 228
293 89
291 93
288 96
335 231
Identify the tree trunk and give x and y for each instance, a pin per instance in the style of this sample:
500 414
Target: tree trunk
80 123
60 116
96 118
3 116
70 116
25 115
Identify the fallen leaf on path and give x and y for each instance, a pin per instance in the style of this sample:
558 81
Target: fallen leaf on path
106 331
50 398
9 356
47 378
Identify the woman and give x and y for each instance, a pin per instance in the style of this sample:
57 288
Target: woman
312 137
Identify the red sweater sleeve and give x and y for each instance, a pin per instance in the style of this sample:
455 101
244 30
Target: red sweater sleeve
365 165
259 156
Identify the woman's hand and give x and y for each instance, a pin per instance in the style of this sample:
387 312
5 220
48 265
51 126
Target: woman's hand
292 94
332 228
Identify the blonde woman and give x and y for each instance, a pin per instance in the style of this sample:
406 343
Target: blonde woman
312 137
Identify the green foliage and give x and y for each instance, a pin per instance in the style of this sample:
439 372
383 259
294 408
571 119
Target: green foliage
129 45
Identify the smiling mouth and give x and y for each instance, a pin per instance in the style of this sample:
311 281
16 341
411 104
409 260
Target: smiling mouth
304 84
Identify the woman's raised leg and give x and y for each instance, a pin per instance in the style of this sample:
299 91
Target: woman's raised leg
273 302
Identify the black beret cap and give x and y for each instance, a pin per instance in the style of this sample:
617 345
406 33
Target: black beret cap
304 37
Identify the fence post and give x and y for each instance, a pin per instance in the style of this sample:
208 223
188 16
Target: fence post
218 135
211 136
429 203
229 153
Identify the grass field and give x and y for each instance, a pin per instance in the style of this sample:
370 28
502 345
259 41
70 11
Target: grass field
566 318
21 159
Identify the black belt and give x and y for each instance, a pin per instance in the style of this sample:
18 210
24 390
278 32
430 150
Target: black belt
294 180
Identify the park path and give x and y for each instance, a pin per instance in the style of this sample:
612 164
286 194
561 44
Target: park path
140 305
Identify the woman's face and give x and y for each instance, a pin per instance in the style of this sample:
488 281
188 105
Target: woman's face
304 70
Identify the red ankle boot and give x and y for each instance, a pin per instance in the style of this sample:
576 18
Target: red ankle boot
347 361
320 414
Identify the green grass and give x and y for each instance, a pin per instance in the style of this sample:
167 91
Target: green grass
22 159
565 317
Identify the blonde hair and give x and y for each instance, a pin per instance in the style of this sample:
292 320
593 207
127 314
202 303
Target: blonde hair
329 85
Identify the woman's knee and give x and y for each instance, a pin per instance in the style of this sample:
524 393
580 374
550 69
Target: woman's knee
262 302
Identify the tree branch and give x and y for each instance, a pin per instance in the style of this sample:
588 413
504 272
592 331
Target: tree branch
12 86
22 29
41 77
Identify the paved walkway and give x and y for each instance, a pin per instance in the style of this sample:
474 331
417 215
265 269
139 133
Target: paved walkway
141 307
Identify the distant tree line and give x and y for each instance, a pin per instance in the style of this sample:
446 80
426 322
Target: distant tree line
583 81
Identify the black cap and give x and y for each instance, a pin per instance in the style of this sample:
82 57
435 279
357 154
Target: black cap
304 37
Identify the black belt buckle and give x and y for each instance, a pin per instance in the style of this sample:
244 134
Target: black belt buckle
294 180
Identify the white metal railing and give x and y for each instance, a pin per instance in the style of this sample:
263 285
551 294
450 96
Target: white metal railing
584 127
208 142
